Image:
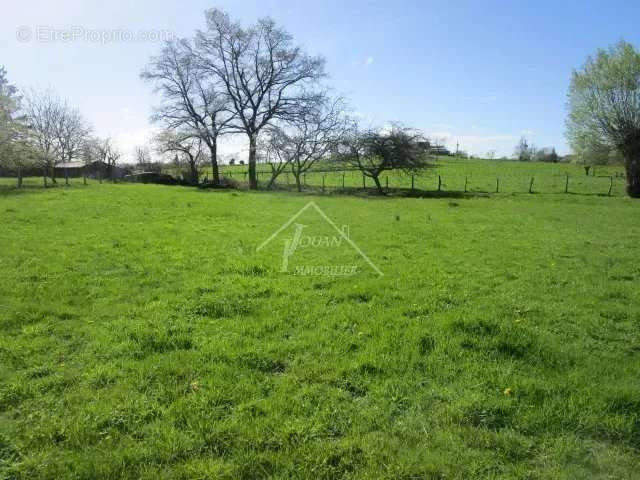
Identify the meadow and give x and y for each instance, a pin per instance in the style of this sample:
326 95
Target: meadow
143 336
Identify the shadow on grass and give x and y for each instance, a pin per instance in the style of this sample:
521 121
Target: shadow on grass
418 193
12 190
372 193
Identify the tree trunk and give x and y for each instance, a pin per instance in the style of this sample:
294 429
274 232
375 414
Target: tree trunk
274 175
44 176
633 175
52 173
376 179
298 184
194 171
19 177
213 148
253 179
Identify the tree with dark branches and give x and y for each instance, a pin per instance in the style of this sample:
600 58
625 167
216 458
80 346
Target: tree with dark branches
266 76
185 144
193 99
72 132
303 141
55 131
377 150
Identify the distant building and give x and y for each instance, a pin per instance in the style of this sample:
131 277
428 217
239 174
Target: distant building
92 170
433 149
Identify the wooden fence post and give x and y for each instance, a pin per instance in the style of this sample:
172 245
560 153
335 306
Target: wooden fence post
531 185
364 185
342 179
439 182
412 181
497 185
610 185
566 184
466 180
322 183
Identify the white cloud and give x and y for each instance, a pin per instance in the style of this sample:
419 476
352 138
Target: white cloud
368 61
127 141
233 146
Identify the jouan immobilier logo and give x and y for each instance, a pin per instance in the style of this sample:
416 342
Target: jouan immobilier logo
318 249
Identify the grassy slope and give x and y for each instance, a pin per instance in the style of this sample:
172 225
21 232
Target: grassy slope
143 336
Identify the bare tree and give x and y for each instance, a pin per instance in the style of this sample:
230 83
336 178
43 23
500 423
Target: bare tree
142 155
43 111
56 132
113 156
107 154
192 99
375 151
278 152
300 143
265 76
72 132
185 144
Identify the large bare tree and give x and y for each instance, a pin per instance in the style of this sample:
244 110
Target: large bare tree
265 75
193 98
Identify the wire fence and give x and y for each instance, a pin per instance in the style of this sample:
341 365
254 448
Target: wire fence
450 179
449 182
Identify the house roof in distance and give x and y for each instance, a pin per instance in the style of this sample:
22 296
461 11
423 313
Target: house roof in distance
76 164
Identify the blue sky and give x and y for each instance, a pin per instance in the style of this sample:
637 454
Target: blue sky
483 73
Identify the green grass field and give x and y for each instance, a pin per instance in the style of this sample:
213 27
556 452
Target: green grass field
143 336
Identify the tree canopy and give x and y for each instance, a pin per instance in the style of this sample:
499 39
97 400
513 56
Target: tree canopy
604 109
